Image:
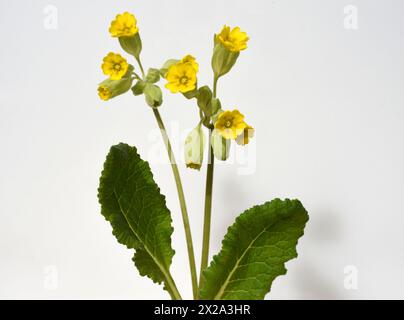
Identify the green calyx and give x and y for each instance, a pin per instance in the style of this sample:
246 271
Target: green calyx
220 146
132 45
194 148
118 87
153 95
223 60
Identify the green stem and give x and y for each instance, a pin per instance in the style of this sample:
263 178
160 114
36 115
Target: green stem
140 66
215 86
136 76
174 166
208 212
208 201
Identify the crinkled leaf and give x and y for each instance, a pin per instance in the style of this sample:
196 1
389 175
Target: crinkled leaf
255 250
131 201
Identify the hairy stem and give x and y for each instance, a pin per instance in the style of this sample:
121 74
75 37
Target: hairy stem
174 166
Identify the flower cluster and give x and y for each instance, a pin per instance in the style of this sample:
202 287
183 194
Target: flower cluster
181 77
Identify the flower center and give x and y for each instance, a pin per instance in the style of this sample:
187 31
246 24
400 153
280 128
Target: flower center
117 67
228 124
184 80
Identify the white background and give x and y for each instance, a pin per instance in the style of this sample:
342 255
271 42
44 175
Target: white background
326 102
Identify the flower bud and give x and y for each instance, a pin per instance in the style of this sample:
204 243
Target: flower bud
153 75
209 105
194 148
153 95
204 99
139 87
220 146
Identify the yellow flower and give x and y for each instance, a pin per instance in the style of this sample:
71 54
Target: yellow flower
235 40
230 124
245 136
104 93
115 66
181 77
124 25
191 60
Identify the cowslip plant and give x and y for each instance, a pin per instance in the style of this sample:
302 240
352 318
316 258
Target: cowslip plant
261 240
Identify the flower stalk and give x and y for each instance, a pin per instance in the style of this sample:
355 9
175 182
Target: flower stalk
180 191
207 213
208 201
181 197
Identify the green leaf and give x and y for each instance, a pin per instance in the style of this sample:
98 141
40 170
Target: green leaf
255 250
153 75
153 95
138 88
131 201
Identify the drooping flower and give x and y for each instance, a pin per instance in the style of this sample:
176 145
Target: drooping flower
230 124
181 77
109 89
124 25
115 66
191 60
247 134
234 40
